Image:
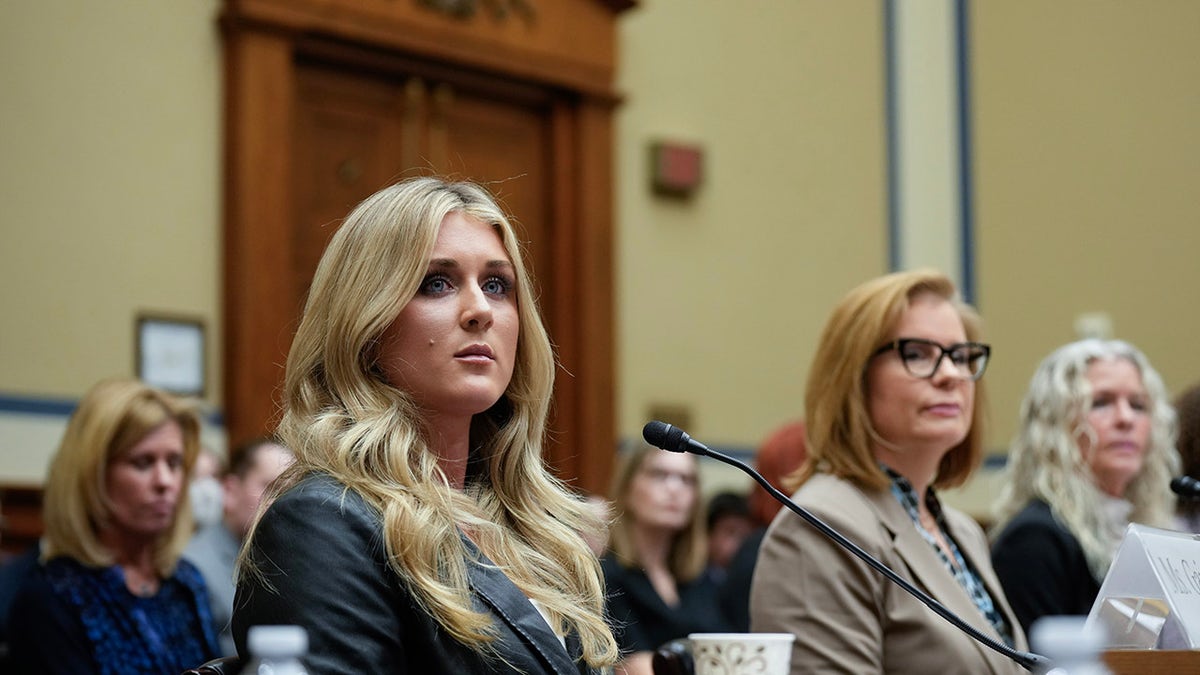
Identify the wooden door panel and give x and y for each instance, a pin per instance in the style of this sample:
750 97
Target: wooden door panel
355 134
327 102
505 147
350 139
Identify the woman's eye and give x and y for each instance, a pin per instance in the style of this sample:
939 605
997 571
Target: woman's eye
1101 401
497 286
434 285
915 353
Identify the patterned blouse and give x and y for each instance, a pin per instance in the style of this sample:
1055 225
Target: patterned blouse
165 633
962 571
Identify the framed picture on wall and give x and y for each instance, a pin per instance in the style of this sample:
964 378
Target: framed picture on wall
170 353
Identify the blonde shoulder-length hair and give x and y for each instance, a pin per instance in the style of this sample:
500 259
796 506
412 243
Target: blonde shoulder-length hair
689 547
113 416
841 435
342 417
1045 462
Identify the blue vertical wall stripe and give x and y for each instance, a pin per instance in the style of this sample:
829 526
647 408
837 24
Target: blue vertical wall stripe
965 187
893 160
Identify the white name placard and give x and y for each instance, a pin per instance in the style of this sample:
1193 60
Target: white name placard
1151 595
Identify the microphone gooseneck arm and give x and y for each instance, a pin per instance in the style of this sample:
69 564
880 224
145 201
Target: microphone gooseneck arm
668 437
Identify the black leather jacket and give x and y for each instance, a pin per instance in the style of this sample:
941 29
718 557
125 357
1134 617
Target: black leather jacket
320 550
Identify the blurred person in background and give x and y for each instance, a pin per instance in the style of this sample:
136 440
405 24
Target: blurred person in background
204 488
1187 408
112 594
214 548
1094 451
654 570
780 454
727 526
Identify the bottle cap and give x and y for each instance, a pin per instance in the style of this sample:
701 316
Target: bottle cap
1066 639
277 641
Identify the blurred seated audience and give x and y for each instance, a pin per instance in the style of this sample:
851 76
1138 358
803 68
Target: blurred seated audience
204 488
1187 407
892 407
13 571
111 594
727 526
780 454
214 549
1093 452
12 576
654 570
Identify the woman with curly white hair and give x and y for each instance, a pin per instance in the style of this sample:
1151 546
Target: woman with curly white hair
1094 451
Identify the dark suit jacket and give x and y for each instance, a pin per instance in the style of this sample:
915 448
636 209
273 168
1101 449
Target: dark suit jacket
1042 567
643 622
320 549
734 594
848 618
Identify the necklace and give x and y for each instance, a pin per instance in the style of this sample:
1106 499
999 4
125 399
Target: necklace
143 587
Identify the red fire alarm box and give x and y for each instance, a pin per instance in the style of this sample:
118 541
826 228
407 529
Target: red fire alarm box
675 168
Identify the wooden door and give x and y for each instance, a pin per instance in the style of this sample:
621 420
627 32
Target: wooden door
330 100
355 133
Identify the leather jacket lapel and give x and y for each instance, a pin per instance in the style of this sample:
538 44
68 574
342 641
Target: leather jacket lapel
511 606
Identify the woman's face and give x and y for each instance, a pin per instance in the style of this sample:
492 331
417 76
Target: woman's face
454 345
922 414
663 492
1120 418
144 483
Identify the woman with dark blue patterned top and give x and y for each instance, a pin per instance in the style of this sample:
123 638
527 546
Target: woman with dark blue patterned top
111 594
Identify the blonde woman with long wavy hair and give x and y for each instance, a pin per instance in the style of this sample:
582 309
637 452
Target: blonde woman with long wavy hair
1094 451
418 530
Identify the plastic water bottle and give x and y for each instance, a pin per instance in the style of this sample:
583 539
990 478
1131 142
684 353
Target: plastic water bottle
276 650
1074 650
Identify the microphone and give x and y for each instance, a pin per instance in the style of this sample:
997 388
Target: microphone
668 437
1184 486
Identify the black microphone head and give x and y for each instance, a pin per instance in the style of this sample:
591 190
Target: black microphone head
663 435
1186 486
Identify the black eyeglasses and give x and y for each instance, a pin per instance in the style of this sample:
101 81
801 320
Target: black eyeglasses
922 358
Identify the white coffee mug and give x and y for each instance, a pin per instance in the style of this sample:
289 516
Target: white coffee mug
742 653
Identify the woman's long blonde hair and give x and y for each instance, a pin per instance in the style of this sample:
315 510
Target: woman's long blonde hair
113 416
342 417
1045 462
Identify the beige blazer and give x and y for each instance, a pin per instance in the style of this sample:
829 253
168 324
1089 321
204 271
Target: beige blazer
847 617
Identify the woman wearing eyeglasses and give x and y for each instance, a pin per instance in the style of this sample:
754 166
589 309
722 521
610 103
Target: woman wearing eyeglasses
891 404
1094 451
654 569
